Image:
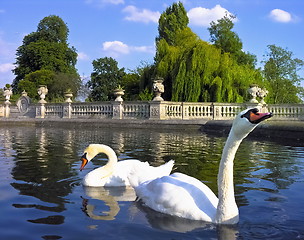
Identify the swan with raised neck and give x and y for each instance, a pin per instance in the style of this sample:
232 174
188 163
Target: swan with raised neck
184 196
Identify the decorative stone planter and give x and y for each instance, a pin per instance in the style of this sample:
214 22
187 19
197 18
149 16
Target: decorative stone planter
68 96
118 93
158 89
42 91
253 91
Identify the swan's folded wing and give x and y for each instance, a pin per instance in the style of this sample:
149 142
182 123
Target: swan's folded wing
176 197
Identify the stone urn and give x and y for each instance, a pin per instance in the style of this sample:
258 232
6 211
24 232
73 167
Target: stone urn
42 91
7 93
253 91
262 94
68 95
118 93
158 89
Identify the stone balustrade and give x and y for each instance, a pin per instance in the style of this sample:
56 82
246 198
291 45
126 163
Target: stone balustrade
149 110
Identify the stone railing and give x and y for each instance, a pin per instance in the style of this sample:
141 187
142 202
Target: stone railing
152 110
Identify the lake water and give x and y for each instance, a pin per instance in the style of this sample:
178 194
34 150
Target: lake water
41 195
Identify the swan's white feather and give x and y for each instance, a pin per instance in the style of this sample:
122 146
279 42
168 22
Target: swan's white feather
184 196
118 174
162 195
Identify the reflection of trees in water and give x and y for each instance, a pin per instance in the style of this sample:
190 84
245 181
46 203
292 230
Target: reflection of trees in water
43 169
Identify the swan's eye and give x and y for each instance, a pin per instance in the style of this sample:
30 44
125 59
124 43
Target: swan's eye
255 111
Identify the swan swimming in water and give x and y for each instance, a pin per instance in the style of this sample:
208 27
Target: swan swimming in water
186 197
114 173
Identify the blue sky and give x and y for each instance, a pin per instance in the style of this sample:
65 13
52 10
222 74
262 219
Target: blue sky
126 29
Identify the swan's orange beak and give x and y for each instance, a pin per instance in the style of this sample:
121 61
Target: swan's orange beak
258 117
84 162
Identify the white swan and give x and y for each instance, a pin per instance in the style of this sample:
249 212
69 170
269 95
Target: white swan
184 196
116 173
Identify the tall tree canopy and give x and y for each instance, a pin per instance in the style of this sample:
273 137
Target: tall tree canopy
106 76
281 75
223 37
171 22
46 51
195 70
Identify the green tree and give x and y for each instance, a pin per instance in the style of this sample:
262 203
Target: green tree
281 75
199 71
106 76
222 36
171 22
47 49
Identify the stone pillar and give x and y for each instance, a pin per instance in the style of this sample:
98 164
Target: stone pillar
157 110
7 94
117 110
185 111
7 109
67 106
67 110
40 110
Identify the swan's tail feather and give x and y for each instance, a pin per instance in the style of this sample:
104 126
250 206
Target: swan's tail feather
139 175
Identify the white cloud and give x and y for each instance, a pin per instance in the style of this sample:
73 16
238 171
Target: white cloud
6 67
82 56
200 16
279 15
140 15
117 48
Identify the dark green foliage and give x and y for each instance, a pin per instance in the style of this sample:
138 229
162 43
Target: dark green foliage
106 76
130 83
46 50
222 36
57 84
281 76
171 22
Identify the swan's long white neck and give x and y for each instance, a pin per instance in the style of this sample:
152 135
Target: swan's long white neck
112 158
227 210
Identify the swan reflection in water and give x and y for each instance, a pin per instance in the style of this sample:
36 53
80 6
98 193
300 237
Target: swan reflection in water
176 224
110 196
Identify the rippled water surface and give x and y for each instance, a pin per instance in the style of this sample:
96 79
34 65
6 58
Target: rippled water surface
41 195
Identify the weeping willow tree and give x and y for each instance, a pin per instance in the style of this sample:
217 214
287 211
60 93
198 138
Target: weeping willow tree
199 71
195 70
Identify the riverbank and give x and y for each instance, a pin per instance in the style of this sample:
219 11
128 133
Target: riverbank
270 128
